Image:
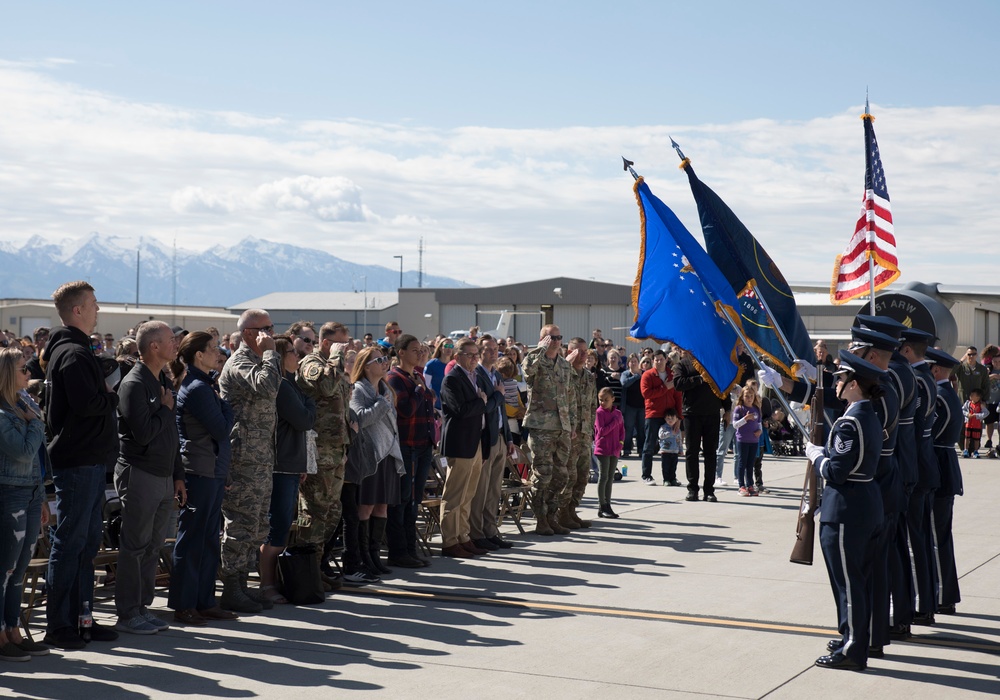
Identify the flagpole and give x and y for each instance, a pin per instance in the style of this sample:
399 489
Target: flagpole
739 333
869 218
685 161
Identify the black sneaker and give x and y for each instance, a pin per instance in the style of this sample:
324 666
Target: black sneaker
710 497
100 633
66 638
691 497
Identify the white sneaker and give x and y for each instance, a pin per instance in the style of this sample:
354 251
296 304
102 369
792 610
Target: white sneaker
649 481
720 482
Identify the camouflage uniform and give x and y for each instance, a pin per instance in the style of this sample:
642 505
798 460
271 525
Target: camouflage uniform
548 421
324 380
250 384
585 408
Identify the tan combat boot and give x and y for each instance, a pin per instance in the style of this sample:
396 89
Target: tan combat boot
557 526
565 517
571 509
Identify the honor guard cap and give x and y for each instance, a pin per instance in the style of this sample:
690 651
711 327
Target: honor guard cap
862 369
882 324
915 335
866 338
941 358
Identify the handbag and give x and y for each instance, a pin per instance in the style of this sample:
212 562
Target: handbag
299 575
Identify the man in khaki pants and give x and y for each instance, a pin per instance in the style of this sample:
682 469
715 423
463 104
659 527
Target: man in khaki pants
464 407
496 443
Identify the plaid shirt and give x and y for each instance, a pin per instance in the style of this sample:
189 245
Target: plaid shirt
414 409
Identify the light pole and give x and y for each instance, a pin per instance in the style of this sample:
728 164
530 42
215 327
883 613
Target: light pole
400 270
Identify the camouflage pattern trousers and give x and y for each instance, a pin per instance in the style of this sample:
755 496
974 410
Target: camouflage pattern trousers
549 470
319 498
578 470
245 514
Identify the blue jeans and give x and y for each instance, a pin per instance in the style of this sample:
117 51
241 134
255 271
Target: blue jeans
746 455
652 447
401 528
726 435
198 548
284 500
20 520
635 422
75 541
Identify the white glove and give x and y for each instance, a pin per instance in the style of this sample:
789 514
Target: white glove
740 423
804 370
769 377
814 452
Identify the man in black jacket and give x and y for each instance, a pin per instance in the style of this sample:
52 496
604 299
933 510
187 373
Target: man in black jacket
148 476
81 420
464 407
702 413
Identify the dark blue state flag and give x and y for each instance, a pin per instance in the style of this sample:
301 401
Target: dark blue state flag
751 274
679 294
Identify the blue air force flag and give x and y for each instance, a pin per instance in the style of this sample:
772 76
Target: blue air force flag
679 294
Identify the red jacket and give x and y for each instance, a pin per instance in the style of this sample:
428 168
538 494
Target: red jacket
657 397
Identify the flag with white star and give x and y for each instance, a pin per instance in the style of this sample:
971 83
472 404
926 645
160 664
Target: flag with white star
679 294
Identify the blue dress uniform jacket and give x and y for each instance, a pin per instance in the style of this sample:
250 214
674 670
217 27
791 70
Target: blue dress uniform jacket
947 431
906 445
850 517
918 520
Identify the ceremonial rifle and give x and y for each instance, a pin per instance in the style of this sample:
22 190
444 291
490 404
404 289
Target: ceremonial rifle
805 528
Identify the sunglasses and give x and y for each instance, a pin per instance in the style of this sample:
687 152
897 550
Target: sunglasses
23 370
556 337
266 329
309 341
378 360
449 346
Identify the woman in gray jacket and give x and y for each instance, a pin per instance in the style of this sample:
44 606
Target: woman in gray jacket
374 465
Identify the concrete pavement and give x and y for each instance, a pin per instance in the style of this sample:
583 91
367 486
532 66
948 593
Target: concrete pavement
674 599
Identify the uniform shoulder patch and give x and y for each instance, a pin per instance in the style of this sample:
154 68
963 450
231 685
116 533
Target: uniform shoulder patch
312 372
841 446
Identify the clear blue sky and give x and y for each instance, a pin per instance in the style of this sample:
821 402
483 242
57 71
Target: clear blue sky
361 127
520 64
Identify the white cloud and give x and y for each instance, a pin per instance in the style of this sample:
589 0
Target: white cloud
533 202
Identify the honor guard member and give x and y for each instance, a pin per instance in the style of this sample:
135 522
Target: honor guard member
877 348
905 381
548 377
948 423
321 376
851 513
913 348
585 404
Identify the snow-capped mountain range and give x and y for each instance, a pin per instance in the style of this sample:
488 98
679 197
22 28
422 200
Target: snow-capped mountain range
219 276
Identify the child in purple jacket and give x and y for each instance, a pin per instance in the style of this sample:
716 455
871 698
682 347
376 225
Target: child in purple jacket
609 436
746 420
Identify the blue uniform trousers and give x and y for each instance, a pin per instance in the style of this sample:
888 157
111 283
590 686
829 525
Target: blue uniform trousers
946 572
918 523
848 550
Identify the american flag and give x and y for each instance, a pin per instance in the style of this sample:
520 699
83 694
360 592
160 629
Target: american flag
873 235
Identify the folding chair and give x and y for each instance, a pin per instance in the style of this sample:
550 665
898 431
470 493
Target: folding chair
31 595
514 493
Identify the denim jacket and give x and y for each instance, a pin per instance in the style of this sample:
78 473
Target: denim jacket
19 443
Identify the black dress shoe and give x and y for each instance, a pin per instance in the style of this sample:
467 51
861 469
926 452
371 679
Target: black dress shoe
834 644
839 661
501 542
946 610
710 497
691 497
484 543
899 633
876 653
923 619
405 561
